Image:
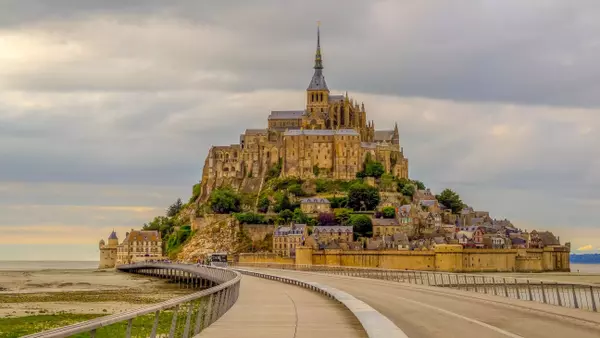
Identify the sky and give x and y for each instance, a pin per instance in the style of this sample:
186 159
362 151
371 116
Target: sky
108 108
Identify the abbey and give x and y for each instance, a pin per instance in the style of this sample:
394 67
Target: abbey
330 137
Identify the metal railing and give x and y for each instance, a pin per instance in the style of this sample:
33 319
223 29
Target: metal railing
184 316
578 296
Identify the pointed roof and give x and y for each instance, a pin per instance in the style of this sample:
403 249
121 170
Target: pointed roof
318 80
113 235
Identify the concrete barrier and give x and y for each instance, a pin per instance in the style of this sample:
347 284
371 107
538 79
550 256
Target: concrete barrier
374 323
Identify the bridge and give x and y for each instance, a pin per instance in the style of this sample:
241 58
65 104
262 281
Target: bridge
313 301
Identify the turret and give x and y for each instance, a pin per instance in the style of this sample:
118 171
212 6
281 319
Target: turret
396 136
113 240
101 244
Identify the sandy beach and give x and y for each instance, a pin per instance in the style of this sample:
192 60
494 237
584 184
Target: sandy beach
89 291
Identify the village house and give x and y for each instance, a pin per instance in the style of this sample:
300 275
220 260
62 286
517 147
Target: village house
315 205
329 233
286 239
140 245
385 226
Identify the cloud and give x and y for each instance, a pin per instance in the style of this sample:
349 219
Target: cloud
587 247
107 109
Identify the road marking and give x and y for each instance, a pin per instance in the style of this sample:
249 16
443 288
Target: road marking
450 313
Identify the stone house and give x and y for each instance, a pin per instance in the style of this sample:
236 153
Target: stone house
286 239
329 233
465 238
140 245
385 226
494 241
315 205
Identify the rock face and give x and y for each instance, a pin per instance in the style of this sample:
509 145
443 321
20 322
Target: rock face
219 236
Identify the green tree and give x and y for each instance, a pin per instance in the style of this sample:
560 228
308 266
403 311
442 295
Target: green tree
296 190
263 204
342 216
363 197
224 201
402 182
285 216
420 185
250 218
174 208
361 224
374 169
316 170
451 200
274 171
282 202
408 190
195 192
389 212
300 217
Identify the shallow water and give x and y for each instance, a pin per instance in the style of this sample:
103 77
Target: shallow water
47 265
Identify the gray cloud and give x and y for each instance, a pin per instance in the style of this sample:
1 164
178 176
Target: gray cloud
497 100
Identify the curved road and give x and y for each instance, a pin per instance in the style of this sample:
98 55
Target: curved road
422 311
268 308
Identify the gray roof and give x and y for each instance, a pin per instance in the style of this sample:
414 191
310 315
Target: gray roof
296 229
315 200
383 135
336 97
428 203
323 132
255 131
318 81
332 228
368 145
385 221
113 235
286 114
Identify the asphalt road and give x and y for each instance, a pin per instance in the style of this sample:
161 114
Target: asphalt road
422 311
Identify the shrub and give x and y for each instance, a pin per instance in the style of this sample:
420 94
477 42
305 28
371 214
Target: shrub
296 190
338 202
250 218
388 212
342 216
361 224
326 218
282 202
274 171
263 204
224 201
408 190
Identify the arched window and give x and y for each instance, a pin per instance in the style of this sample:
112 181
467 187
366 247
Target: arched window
312 97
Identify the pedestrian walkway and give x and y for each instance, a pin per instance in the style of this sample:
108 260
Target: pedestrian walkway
272 309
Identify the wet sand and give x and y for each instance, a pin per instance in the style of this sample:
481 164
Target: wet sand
25 293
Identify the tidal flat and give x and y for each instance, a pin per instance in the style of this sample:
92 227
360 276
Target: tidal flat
33 301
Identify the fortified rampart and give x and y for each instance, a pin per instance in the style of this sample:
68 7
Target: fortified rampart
452 258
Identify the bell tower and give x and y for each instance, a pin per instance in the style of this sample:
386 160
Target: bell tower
317 93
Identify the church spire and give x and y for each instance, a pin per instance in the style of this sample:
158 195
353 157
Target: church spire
318 80
318 60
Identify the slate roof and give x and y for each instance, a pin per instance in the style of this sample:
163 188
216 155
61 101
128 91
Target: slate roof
143 236
336 98
322 132
428 203
385 221
113 235
318 81
332 228
315 200
255 131
286 114
296 229
383 135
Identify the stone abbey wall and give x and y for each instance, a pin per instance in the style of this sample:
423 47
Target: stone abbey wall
452 258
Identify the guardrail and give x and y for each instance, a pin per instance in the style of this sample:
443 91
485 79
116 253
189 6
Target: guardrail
179 317
374 323
578 296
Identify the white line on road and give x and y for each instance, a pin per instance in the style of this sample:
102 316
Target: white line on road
474 321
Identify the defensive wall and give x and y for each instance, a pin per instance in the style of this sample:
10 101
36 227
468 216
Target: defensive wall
451 258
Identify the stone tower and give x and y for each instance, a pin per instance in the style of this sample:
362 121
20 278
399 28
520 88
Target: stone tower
108 253
317 93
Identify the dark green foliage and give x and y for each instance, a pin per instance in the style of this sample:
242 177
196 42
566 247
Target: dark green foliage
420 185
387 182
282 202
372 168
285 183
388 212
316 170
338 202
285 216
250 218
363 197
263 204
176 239
274 171
408 190
161 223
195 192
451 200
174 208
333 186
224 201
300 217
296 190
402 182
342 216
361 224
